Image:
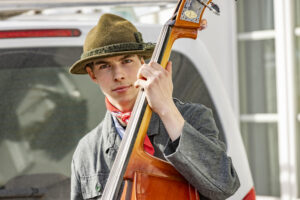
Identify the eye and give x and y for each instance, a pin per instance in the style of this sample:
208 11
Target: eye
127 60
103 66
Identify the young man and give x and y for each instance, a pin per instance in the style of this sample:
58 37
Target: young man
183 134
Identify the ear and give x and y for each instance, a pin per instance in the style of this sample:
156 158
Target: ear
142 60
91 74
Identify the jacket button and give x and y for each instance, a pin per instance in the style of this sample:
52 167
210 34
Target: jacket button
98 187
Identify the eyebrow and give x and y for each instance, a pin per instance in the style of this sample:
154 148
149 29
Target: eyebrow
122 58
100 62
127 56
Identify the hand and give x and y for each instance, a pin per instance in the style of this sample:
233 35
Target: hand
203 24
158 87
157 84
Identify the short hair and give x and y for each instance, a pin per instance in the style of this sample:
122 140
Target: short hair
91 64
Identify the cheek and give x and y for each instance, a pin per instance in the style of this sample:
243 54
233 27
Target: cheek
102 77
103 82
104 89
135 72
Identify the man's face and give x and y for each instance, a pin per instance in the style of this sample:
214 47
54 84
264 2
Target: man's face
116 77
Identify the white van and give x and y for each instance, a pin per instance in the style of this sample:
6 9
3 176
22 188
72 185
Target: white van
45 110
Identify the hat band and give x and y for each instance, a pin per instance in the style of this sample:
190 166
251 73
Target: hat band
117 48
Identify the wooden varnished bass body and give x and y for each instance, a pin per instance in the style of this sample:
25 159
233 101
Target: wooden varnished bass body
147 177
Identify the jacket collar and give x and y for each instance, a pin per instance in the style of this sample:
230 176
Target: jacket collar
109 133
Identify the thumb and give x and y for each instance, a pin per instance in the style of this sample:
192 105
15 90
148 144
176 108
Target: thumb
169 67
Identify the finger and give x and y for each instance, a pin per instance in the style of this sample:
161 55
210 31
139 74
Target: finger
140 83
156 66
157 70
145 72
153 70
203 24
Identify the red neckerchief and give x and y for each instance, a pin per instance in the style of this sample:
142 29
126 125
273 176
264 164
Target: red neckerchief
124 117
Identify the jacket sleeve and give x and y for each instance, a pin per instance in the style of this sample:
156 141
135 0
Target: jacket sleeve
75 184
201 157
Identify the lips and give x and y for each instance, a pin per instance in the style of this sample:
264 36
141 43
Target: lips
121 88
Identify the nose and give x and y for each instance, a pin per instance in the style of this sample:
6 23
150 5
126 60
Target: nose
119 73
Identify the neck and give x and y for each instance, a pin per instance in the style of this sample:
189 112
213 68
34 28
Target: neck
124 106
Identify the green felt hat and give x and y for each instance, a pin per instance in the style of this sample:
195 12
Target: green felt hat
112 36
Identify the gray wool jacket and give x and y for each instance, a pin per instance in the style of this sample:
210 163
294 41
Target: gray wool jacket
198 155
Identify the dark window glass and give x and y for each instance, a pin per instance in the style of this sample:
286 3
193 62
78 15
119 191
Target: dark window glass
255 15
297 13
44 112
262 139
257 77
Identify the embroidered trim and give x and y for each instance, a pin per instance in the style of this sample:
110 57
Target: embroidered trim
118 48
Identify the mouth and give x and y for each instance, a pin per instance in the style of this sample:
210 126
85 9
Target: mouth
121 88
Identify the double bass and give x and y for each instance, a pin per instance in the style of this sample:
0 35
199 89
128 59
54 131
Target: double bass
147 177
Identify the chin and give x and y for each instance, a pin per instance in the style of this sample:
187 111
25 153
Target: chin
127 104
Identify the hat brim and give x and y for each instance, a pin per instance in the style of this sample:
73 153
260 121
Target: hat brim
79 66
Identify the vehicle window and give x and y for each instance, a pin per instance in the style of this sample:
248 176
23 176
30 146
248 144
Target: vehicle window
45 111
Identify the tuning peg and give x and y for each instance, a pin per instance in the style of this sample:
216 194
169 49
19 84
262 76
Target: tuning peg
215 8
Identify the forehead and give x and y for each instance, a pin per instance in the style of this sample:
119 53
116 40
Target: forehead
115 58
